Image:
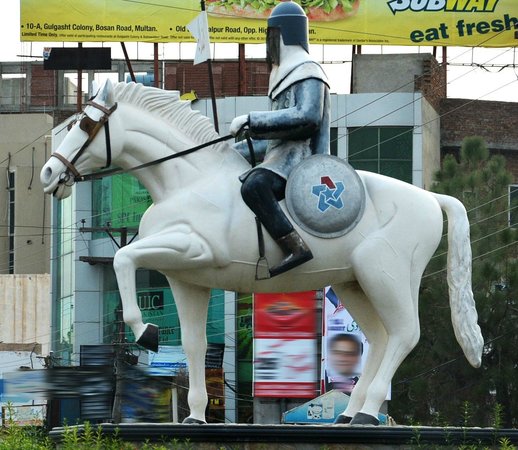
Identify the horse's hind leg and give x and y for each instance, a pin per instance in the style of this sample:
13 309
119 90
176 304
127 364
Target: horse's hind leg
359 306
391 282
192 305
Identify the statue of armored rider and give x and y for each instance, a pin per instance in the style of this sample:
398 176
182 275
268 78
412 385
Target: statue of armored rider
297 126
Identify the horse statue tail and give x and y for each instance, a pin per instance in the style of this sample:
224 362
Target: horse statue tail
463 311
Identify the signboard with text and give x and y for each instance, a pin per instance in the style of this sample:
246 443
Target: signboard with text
483 23
285 345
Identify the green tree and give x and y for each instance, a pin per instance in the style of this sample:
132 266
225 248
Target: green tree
436 385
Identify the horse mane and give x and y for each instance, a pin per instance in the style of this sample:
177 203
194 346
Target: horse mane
169 107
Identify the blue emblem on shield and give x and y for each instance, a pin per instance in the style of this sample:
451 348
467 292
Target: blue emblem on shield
329 193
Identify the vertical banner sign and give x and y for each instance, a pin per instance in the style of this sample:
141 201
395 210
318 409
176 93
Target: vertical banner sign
482 23
285 345
344 346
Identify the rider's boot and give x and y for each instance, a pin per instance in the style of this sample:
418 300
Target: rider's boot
296 251
262 189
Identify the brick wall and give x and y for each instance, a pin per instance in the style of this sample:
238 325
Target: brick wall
179 75
43 86
432 83
185 77
495 122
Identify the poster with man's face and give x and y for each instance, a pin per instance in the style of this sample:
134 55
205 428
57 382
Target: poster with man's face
344 346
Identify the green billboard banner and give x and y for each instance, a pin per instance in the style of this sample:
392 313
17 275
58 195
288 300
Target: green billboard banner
119 200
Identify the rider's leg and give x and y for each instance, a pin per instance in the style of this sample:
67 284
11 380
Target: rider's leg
262 190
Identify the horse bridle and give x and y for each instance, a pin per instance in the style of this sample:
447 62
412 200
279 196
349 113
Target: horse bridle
91 127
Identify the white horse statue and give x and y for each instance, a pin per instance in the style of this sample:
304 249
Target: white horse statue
201 235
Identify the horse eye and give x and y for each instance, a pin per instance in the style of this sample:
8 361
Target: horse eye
87 124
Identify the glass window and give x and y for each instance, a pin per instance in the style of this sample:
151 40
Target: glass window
384 150
333 144
67 274
120 200
64 312
157 305
65 330
71 83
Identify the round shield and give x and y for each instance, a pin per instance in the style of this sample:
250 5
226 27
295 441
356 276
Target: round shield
325 196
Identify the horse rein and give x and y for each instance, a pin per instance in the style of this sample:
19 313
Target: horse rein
91 128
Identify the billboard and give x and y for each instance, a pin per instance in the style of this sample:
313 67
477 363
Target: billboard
285 345
484 23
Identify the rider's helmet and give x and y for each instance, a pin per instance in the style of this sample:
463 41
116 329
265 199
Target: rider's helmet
288 20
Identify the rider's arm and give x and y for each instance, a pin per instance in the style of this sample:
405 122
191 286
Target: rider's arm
297 122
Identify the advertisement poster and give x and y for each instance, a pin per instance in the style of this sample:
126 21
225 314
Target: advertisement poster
169 361
120 200
484 23
344 346
285 346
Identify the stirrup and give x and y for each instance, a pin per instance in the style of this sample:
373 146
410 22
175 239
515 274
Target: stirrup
262 269
290 262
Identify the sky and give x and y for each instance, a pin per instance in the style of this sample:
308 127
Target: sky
480 73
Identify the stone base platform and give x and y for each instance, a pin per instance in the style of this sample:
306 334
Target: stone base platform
301 437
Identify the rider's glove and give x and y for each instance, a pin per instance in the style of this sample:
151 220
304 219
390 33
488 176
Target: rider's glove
238 124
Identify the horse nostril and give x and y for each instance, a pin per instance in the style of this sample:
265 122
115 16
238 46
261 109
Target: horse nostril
47 174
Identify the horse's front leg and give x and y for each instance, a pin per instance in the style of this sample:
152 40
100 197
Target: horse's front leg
179 249
125 267
192 305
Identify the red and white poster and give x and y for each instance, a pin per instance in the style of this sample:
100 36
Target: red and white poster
285 345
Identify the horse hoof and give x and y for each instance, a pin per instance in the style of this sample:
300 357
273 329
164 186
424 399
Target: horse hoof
341 419
149 338
192 420
364 419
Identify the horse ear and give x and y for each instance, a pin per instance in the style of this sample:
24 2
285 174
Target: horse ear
106 93
94 89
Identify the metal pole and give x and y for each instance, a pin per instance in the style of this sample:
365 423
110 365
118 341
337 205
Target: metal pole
128 62
445 68
211 85
120 350
155 65
242 71
79 83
